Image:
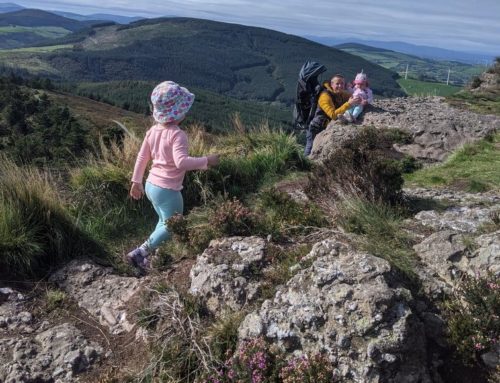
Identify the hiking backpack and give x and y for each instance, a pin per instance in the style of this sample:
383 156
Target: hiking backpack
308 90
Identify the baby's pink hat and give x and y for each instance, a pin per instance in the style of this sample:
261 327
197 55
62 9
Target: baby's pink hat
170 102
361 78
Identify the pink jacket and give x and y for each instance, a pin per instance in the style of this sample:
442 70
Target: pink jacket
365 94
167 146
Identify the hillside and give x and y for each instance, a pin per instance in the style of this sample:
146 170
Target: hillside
9 7
418 68
28 27
39 18
212 110
234 60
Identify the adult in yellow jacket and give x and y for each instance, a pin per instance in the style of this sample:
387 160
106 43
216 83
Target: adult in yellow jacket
333 101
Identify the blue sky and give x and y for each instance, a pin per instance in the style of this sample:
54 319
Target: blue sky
465 25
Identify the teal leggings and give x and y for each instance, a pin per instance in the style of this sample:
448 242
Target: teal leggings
166 202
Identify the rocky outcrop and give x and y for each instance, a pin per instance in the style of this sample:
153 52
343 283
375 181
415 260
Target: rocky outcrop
343 305
32 350
436 127
224 275
100 291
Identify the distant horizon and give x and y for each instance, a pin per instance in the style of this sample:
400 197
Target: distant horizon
465 27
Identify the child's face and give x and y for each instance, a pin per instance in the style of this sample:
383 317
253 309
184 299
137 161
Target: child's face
337 84
361 85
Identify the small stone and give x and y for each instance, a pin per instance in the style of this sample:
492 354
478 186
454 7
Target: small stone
390 358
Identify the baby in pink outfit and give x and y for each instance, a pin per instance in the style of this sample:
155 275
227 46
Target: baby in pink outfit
362 91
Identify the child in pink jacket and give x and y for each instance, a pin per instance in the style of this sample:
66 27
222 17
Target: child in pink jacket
362 91
166 145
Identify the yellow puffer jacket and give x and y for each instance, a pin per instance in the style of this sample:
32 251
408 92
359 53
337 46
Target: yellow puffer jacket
333 104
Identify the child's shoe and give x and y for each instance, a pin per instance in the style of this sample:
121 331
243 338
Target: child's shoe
138 258
348 116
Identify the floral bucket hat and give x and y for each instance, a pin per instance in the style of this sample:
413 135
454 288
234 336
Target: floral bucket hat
170 102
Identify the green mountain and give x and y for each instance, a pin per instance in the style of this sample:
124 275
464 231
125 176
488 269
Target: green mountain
233 60
29 27
38 18
418 68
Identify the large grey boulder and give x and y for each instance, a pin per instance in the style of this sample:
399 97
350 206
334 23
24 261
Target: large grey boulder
223 275
102 293
32 350
343 305
436 127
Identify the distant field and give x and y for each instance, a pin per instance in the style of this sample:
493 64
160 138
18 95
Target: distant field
47 32
49 48
424 88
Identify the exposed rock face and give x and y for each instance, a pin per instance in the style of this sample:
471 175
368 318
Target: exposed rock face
342 304
459 218
455 248
222 275
436 127
31 351
100 292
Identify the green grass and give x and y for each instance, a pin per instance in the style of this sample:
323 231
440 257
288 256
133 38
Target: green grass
484 102
424 88
36 230
474 168
381 235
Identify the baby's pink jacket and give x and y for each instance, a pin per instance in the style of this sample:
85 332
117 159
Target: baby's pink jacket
167 146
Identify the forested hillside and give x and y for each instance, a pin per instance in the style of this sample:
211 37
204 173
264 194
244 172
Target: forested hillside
234 60
213 111
27 27
35 130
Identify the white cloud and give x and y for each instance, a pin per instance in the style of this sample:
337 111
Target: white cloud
452 24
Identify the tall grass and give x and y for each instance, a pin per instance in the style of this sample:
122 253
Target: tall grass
100 194
249 159
380 227
36 230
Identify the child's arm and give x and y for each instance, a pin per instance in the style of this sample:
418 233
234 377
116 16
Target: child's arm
143 157
142 160
181 156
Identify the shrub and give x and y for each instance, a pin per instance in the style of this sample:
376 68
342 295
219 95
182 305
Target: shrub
362 167
473 316
317 369
257 362
475 82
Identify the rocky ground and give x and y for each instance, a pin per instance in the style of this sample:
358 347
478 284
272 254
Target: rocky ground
340 299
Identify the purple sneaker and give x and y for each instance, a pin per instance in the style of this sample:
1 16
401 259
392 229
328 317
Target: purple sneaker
138 259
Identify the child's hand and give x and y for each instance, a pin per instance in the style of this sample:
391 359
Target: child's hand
136 190
213 160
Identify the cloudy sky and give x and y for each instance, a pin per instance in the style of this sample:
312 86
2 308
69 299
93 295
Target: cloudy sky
465 25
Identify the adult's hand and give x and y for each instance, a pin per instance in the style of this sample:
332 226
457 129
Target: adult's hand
354 101
136 190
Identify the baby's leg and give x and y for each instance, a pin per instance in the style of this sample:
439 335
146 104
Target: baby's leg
357 111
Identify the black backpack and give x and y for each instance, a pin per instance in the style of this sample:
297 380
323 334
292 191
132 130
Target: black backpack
308 90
